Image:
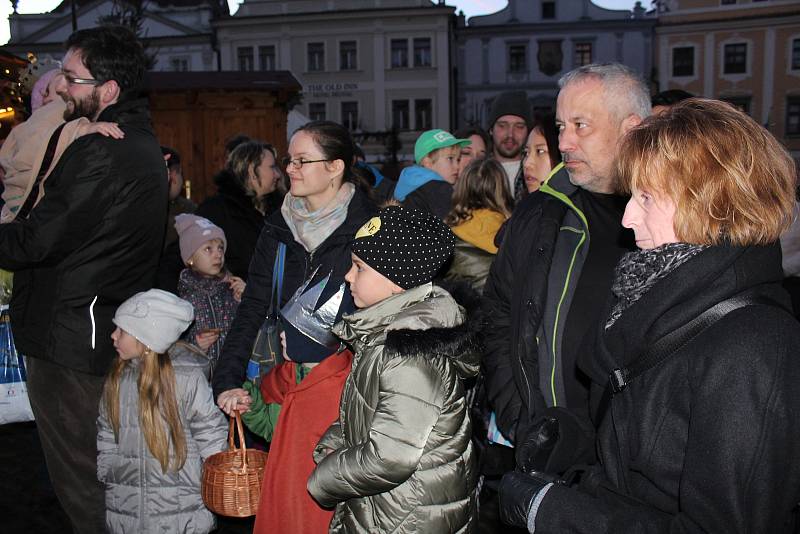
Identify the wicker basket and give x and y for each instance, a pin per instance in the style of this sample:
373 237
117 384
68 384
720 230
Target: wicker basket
232 479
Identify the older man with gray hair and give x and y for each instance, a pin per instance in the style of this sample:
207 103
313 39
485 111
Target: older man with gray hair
549 282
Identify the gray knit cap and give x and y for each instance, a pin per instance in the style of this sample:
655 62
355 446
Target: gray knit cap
155 317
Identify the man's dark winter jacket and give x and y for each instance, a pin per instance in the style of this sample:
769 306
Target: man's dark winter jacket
333 255
708 441
527 296
92 242
233 211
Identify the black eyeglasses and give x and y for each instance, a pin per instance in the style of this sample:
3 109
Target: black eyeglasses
72 80
299 162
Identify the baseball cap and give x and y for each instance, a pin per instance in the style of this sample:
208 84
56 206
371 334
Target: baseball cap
434 140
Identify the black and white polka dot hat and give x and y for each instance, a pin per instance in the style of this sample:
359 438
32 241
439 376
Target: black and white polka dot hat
405 245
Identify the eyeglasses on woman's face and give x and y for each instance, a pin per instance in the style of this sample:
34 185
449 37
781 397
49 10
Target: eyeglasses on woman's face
298 163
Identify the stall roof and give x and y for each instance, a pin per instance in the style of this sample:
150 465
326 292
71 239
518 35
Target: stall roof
230 80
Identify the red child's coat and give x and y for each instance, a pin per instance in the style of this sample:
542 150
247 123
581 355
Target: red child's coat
307 410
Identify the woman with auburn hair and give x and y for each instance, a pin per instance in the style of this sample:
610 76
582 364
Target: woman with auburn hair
481 204
697 429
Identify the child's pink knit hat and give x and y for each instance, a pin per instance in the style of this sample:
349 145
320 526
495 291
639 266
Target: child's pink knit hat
193 231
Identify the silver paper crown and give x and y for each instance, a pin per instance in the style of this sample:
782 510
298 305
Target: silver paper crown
315 323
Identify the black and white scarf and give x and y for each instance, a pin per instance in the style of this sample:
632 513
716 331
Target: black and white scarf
639 270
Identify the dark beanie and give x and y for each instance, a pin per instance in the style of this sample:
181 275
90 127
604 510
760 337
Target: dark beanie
511 103
405 245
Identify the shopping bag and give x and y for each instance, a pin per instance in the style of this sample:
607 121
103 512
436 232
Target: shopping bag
14 404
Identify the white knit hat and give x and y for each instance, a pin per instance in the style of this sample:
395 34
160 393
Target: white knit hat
155 317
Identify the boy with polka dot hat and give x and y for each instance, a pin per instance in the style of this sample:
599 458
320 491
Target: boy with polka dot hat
400 458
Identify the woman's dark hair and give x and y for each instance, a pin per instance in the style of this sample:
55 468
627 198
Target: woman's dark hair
335 142
111 53
670 97
546 124
241 158
235 141
465 133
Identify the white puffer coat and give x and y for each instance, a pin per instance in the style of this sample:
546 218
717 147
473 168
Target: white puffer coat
139 496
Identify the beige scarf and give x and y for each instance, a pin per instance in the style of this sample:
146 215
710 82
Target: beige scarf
312 228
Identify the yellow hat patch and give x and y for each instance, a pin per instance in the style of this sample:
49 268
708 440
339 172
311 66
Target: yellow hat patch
370 227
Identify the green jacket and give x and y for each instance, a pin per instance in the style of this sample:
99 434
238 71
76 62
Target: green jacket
402 459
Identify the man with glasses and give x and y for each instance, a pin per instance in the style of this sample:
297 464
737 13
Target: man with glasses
92 242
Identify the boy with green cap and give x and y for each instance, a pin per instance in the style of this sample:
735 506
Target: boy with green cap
400 458
428 185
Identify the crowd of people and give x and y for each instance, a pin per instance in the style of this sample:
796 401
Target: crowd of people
564 323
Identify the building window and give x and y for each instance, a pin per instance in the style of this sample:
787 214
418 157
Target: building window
400 114
583 54
399 53
683 61
517 58
316 111
742 103
350 115
548 10
179 64
796 54
348 55
793 116
735 58
423 114
266 57
316 57
245 55
422 52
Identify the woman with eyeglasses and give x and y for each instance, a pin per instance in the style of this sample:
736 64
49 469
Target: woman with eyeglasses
248 189
298 399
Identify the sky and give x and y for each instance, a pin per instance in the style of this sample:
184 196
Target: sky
470 8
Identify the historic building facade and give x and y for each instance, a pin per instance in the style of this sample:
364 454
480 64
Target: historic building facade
744 51
178 32
372 65
530 43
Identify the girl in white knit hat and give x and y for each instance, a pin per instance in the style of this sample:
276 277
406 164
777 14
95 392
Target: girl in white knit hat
158 421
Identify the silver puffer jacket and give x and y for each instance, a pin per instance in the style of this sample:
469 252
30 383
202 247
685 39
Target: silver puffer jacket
139 496
402 459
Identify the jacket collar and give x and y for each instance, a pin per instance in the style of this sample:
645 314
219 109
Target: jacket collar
713 275
127 111
425 321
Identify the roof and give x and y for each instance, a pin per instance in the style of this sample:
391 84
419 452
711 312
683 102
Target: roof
237 80
221 5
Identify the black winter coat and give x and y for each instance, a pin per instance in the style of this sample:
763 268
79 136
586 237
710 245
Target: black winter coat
332 255
708 441
233 211
543 246
92 242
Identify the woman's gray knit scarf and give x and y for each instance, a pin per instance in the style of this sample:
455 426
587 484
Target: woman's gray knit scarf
639 270
312 228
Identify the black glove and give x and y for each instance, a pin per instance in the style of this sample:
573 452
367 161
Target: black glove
537 444
555 442
517 492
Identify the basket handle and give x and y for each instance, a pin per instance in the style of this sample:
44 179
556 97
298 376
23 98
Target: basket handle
240 432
